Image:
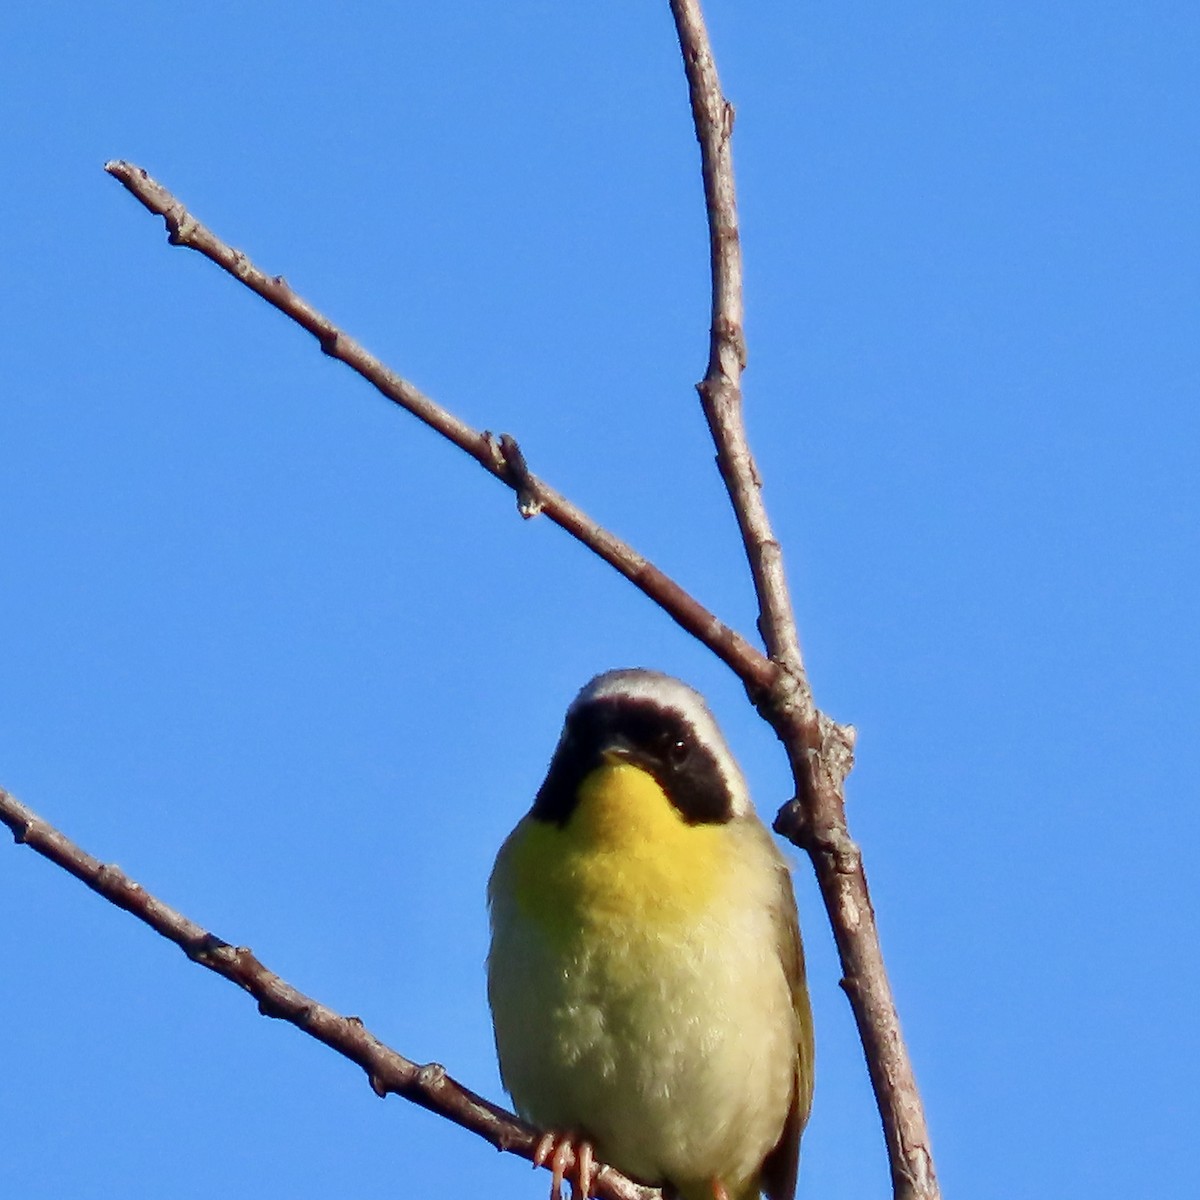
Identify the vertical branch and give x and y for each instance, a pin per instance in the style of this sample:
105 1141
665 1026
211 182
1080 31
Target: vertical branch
819 751
720 390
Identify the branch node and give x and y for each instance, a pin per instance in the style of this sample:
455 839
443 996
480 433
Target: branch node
328 341
378 1086
495 462
180 226
788 691
727 331
270 1007
830 841
786 699
791 822
208 950
430 1076
514 470
837 749
108 874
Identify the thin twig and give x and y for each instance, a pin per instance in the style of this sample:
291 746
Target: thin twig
429 1085
720 390
500 456
820 751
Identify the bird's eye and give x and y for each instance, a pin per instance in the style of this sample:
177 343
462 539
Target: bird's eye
678 751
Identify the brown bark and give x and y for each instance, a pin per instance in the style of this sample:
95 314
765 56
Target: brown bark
819 751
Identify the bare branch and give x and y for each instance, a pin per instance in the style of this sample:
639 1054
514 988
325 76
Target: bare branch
820 751
720 390
500 457
429 1085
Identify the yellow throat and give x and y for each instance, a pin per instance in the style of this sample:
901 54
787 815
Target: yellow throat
625 856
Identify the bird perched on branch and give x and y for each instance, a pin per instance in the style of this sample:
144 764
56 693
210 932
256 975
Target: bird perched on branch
646 975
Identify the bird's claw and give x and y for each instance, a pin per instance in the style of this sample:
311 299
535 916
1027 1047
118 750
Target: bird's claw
560 1149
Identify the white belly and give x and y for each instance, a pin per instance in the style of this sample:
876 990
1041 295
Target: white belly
672 1049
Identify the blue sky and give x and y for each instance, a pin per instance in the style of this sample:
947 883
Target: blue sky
298 667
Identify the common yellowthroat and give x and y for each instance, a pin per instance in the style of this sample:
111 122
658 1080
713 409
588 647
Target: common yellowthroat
646 974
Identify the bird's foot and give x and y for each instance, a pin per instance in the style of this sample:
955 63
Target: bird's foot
556 1149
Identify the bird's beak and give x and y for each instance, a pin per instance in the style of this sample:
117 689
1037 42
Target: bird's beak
615 754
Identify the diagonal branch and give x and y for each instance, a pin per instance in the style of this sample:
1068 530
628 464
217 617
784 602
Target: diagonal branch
820 751
500 457
429 1085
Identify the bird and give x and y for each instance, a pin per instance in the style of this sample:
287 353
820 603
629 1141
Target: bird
646 973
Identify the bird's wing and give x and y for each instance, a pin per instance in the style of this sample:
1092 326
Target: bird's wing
780 1166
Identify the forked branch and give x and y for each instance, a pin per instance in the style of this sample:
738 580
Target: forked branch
720 390
499 456
819 751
